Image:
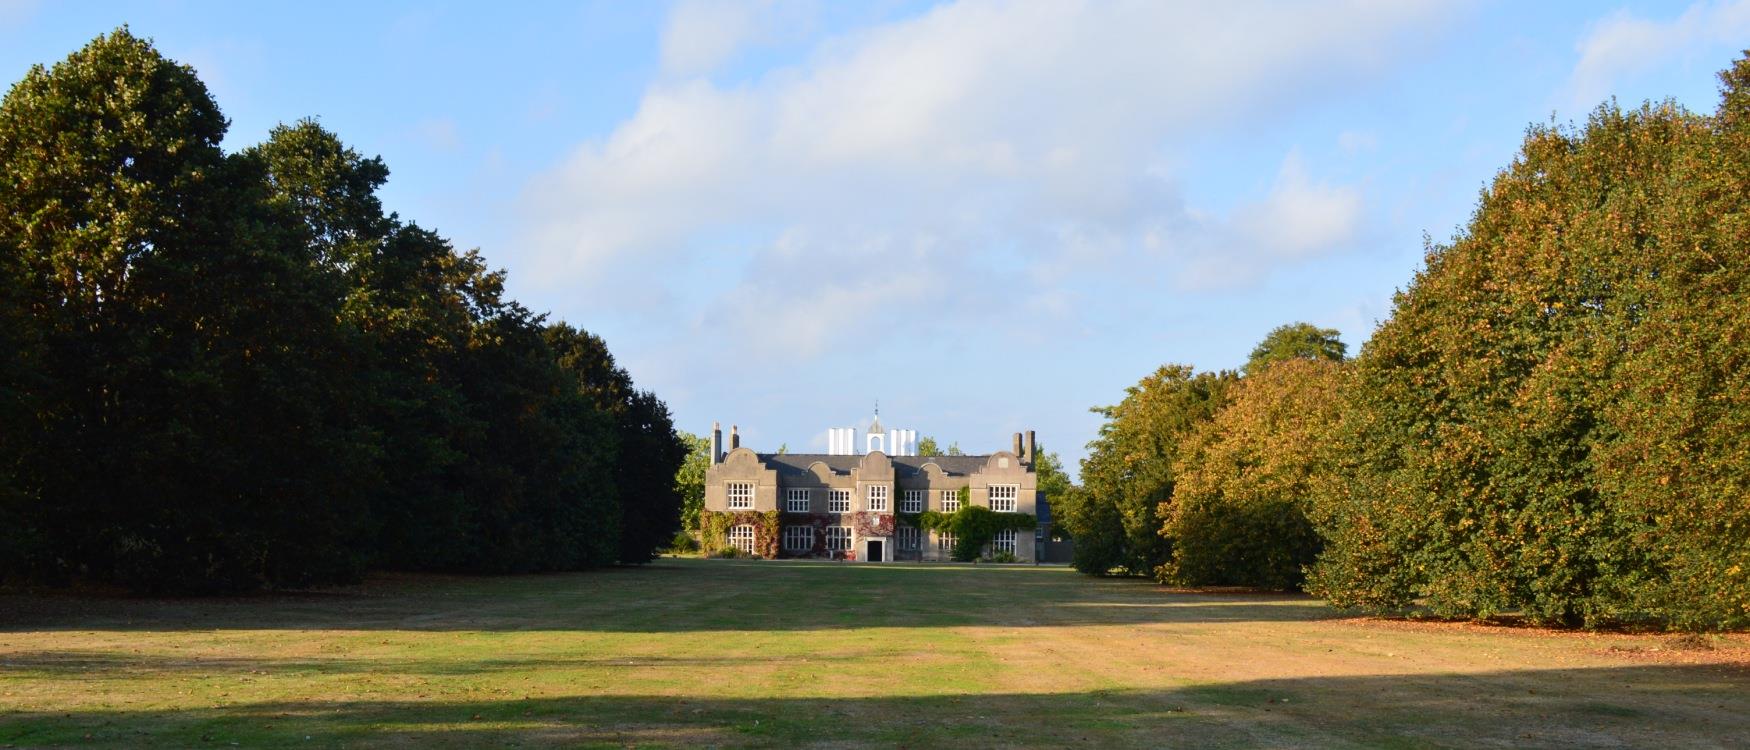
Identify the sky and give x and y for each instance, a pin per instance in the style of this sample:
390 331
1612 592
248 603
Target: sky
988 215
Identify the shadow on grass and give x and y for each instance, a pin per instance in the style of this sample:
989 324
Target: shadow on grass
1670 706
677 596
108 664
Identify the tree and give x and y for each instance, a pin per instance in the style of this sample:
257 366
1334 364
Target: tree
1129 472
1296 341
160 279
689 479
1242 511
223 372
927 446
1542 425
650 452
1052 480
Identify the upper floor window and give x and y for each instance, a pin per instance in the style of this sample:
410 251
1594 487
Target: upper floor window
741 538
741 495
912 501
950 501
797 501
1004 541
1002 497
878 497
839 501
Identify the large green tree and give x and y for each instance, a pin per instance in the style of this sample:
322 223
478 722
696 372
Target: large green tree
1545 424
1129 474
1297 341
689 480
232 371
1242 511
188 421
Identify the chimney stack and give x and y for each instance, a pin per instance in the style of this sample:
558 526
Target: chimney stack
716 442
1017 444
1028 457
734 437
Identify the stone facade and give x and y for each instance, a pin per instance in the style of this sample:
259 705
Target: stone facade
847 502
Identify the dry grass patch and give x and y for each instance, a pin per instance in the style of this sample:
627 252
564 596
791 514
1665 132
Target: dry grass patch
747 653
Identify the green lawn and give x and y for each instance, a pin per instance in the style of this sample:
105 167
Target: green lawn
749 653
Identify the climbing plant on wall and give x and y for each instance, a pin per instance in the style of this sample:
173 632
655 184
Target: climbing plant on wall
714 529
973 526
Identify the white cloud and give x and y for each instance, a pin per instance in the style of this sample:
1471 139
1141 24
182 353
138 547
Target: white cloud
700 35
1300 217
1622 44
1016 150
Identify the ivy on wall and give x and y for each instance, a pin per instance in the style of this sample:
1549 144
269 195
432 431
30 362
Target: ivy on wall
714 529
973 526
819 521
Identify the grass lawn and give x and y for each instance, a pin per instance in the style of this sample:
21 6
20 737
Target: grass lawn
749 653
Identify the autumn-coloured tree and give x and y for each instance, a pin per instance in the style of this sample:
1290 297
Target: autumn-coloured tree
1128 476
1550 422
1242 510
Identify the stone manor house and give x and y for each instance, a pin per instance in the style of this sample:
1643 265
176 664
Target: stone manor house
842 504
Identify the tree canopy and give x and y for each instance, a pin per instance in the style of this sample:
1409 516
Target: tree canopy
227 371
1297 341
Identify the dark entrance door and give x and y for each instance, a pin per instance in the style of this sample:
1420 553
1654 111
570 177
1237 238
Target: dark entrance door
875 552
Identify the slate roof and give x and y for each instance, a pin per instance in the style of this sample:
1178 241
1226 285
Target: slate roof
796 464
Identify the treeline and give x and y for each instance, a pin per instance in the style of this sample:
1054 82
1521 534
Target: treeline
223 371
1553 423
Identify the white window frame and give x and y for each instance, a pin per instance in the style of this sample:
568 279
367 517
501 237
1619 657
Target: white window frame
741 537
1005 498
1004 541
798 500
838 501
739 495
798 538
838 538
910 538
945 543
877 498
950 501
912 501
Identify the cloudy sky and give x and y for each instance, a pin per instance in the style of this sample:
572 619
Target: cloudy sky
990 215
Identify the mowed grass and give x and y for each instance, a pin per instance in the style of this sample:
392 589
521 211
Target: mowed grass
749 653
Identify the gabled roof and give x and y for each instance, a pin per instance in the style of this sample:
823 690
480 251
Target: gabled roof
795 464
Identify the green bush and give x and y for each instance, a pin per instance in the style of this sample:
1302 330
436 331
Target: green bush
683 543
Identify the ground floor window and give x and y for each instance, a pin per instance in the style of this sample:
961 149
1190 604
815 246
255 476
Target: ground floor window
945 544
1004 541
838 538
798 538
741 538
908 537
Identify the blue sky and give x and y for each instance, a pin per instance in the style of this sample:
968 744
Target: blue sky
990 215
